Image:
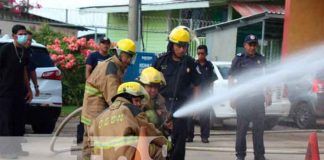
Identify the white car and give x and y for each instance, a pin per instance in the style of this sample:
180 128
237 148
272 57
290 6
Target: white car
44 110
280 104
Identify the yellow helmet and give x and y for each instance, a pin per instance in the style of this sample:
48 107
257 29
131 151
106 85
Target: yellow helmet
127 45
180 34
133 88
151 75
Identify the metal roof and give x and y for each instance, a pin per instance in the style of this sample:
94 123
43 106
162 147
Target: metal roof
249 9
241 22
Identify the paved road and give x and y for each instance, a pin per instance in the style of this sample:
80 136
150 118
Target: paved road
282 143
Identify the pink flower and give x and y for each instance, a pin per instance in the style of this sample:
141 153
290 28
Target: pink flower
60 57
92 44
82 42
73 47
57 41
54 57
69 56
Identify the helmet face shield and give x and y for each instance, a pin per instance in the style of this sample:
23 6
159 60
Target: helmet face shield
183 44
132 56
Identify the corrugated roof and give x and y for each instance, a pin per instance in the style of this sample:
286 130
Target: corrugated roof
249 9
243 21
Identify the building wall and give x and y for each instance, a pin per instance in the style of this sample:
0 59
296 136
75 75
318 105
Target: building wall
221 44
155 29
6 26
304 24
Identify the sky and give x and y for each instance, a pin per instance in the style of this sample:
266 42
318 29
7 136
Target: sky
73 4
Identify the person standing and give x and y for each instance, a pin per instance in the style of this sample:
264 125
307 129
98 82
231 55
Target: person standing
207 76
98 56
91 63
31 65
102 85
13 84
180 74
251 106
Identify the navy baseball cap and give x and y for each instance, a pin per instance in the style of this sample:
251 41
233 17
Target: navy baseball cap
251 39
105 40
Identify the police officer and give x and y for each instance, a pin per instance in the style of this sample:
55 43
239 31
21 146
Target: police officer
115 131
180 74
206 71
102 85
155 108
249 107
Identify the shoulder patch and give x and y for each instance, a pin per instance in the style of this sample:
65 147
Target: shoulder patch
111 68
163 54
135 110
239 54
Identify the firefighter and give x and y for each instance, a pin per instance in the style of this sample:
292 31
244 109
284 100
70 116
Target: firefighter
102 85
155 109
182 81
115 131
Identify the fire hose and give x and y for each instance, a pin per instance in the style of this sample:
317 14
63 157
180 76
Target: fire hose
59 129
215 149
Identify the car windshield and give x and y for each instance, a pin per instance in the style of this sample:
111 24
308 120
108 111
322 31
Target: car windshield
40 57
223 69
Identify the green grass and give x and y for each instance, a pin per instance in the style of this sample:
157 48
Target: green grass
66 110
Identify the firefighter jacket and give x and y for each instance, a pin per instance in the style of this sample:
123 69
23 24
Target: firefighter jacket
100 87
115 132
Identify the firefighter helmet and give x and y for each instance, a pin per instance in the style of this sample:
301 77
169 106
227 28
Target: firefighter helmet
132 88
127 45
180 34
151 76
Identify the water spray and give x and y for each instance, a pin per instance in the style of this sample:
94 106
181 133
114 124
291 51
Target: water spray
305 62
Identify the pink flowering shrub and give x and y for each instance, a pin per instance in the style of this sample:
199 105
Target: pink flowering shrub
69 54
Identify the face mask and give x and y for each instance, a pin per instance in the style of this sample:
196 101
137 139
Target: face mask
22 39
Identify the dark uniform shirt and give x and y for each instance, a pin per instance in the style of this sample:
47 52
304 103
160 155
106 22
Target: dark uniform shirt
32 65
180 76
11 70
96 57
206 72
245 67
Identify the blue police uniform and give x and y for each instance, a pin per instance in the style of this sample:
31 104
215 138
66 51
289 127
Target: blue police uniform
180 76
250 107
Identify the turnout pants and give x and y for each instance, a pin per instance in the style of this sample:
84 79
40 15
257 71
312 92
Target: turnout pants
248 110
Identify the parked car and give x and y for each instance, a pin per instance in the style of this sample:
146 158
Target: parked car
280 104
307 98
44 110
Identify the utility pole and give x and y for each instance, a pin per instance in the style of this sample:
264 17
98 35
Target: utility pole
133 22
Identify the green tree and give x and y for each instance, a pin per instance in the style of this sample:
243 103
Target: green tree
45 34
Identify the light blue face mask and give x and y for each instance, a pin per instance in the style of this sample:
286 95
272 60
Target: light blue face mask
22 39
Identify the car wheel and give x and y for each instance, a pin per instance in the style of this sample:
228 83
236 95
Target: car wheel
304 116
270 122
43 119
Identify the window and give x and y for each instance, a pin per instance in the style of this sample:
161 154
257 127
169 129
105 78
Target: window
40 57
224 69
